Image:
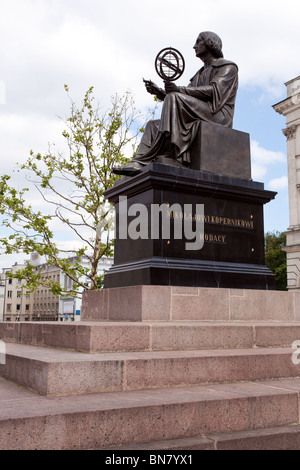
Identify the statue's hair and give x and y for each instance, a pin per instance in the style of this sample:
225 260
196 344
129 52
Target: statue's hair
213 42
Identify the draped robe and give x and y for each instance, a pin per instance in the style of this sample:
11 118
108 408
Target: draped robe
210 96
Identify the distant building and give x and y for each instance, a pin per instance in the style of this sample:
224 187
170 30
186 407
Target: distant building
45 304
17 303
2 295
42 305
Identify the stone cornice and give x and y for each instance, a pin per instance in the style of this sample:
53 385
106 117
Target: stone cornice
291 249
288 105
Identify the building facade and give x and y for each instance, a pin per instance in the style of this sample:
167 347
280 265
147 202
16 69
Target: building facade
290 108
45 304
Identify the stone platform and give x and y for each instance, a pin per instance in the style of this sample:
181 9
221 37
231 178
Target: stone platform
203 369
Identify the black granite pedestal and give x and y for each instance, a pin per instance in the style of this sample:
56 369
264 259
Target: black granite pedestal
232 255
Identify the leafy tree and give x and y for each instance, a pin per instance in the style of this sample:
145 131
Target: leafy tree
72 187
276 257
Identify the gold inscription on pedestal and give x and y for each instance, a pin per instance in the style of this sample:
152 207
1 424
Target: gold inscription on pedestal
213 238
215 220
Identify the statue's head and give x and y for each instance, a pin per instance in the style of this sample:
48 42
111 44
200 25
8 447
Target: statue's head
212 42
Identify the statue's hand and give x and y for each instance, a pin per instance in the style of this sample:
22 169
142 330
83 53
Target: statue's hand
151 87
170 86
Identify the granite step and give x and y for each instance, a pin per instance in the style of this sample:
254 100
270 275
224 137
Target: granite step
109 420
151 336
55 372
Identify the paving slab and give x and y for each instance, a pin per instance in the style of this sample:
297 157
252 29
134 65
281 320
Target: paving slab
276 438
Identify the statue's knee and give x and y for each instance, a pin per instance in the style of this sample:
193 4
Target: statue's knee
152 124
172 96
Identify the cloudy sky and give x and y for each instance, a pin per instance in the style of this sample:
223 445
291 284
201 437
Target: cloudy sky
111 45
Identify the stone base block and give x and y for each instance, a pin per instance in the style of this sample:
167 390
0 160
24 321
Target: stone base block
166 303
222 151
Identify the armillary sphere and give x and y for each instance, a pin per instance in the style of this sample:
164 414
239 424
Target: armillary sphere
169 64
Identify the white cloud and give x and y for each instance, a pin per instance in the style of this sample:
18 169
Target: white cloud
112 45
6 261
278 183
262 158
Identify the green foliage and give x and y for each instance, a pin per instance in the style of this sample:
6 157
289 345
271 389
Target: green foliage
72 187
276 258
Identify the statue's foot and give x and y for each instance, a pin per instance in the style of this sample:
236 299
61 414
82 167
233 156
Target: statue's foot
128 170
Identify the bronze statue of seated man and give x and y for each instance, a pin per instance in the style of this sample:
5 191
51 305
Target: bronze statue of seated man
210 96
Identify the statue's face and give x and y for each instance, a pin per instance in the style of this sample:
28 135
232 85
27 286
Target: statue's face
199 46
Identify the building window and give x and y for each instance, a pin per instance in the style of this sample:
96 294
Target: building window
9 294
19 294
27 308
9 281
8 307
18 307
